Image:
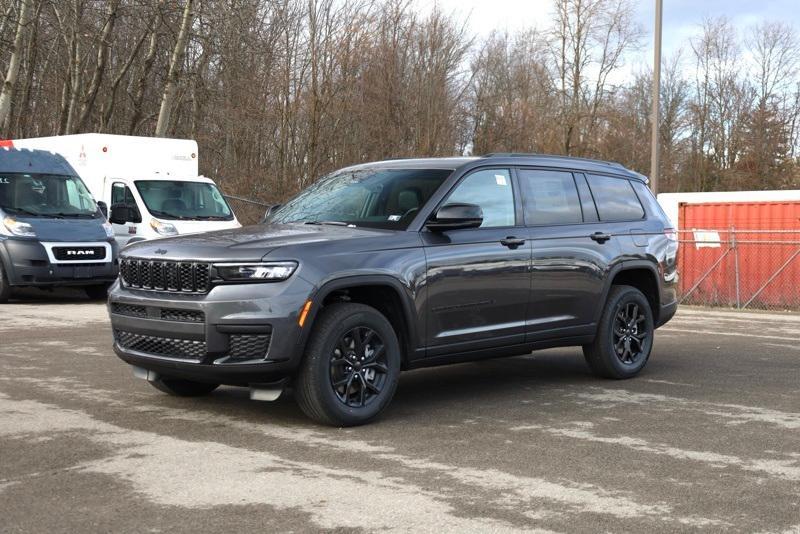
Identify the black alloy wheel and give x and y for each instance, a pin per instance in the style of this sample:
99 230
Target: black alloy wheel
629 333
359 367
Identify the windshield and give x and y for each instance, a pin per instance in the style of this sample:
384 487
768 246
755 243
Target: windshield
376 198
184 200
45 195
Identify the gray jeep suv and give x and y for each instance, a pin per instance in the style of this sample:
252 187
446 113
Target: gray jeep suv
401 264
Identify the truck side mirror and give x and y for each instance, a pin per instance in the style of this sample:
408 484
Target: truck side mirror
124 213
270 210
103 207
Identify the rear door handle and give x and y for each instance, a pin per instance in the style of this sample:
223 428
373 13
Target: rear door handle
512 242
600 237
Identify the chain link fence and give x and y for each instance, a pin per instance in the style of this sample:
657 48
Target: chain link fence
744 269
246 210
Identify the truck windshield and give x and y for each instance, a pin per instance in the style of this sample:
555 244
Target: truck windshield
46 195
375 198
184 200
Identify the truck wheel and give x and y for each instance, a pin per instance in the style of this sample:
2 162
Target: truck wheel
624 336
182 388
97 292
351 366
5 287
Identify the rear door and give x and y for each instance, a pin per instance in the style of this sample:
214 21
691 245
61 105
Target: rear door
478 279
572 252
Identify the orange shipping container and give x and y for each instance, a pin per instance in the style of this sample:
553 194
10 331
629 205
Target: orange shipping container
751 239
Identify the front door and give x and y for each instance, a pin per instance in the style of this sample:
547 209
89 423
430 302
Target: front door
121 194
478 279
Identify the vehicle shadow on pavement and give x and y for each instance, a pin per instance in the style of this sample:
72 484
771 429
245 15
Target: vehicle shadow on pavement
45 296
425 391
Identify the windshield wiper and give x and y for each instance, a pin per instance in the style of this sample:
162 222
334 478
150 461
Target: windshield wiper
330 223
210 218
62 215
26 212
159 213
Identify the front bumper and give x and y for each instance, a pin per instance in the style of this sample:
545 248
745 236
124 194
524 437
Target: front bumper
28 264
234 334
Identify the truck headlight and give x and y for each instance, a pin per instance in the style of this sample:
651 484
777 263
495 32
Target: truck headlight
19 228
254 272
109 229
163 228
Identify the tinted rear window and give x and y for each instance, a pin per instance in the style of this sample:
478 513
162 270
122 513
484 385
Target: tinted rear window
615 198
550 197
650 202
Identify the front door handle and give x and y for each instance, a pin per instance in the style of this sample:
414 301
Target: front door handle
600 237
512 242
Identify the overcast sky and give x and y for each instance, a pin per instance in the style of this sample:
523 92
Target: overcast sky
681 17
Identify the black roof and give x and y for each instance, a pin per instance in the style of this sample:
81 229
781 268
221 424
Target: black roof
545 160
13 160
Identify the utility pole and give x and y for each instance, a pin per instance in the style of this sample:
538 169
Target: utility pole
654 152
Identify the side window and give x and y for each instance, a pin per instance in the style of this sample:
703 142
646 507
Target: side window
491 190
121 194
615 199
550 197
647 199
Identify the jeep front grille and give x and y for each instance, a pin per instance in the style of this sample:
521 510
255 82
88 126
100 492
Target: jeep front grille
183 349
171 276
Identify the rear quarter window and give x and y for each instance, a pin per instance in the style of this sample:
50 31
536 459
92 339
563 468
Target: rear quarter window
650 202
615 198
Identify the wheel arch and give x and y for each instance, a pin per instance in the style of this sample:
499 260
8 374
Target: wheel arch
383 292
642 275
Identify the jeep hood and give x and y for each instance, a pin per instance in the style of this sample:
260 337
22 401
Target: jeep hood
250 243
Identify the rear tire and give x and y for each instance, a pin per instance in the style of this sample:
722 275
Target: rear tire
97 292
182 388
351 366
5 287
624 336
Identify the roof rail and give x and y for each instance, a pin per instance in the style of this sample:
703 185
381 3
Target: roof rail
554 156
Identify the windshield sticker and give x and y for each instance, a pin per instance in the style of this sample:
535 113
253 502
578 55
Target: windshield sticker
395 218
500 179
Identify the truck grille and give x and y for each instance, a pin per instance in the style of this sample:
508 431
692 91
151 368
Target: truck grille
177 277
184 349
77 253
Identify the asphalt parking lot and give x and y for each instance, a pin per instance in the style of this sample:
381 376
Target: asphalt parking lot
706 439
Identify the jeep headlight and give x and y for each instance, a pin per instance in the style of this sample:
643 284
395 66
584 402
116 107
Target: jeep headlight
256 272
18 228
163 228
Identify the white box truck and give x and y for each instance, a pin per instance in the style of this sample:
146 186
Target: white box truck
151 185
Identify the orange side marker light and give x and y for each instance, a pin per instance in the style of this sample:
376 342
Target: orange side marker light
304 313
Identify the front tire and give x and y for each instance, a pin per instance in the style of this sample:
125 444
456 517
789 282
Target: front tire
182 388
351 367
624 336
5 287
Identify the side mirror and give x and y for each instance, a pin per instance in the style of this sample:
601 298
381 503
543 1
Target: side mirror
103 207
124 213
270 210
456 216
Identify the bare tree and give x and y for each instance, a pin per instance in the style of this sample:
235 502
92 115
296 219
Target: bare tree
10 82
175 65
